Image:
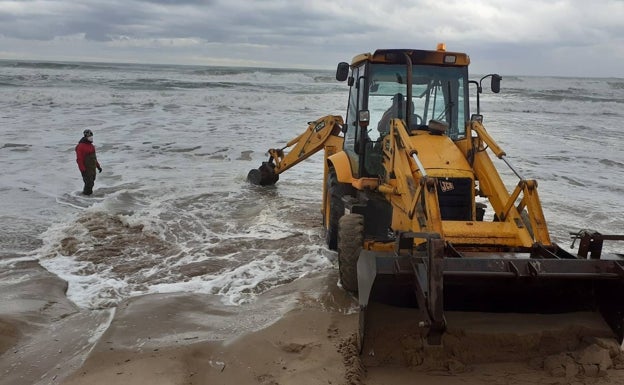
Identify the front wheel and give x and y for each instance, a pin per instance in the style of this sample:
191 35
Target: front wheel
350 240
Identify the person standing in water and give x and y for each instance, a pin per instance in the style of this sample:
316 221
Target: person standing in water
87 161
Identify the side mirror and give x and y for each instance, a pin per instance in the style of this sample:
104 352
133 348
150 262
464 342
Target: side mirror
495 85
342 72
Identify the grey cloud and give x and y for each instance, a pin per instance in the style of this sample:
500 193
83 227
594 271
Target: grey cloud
241 22
179 2
319 31
96 22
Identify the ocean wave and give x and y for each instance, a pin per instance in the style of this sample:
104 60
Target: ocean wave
87 66
611 163
618 85
561 95
40 65
164 84
50 75
16 147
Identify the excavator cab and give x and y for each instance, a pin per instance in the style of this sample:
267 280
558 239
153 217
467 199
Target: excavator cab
434 93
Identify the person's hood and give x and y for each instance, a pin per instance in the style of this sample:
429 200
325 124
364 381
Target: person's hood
84 140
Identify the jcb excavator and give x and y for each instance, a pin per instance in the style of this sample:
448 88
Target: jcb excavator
408 180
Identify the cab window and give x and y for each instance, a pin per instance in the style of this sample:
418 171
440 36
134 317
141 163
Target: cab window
438 93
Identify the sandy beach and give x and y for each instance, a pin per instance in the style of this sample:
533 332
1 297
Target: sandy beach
303 332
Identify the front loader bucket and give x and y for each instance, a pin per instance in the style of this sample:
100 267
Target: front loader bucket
424 287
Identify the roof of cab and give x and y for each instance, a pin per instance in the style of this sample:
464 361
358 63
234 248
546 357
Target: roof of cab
397 56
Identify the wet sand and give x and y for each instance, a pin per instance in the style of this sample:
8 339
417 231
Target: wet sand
299 333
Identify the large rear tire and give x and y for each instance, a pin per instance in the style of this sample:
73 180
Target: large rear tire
350 240
335 192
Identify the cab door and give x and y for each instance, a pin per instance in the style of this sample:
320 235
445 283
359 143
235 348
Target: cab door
355 135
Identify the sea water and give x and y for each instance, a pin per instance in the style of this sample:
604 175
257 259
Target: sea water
172 210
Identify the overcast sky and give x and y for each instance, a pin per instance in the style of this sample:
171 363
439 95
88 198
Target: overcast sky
512 37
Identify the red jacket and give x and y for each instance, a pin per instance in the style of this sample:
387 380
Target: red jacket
85 156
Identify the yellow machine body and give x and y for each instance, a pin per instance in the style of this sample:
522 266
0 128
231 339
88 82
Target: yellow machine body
409 176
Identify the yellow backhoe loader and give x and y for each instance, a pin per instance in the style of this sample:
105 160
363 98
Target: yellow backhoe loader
408 178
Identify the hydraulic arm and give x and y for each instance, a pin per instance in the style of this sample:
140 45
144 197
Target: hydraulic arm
320 134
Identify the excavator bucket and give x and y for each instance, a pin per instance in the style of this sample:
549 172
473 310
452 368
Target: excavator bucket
438 280
264 175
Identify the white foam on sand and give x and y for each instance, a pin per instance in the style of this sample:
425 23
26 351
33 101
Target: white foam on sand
157 246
